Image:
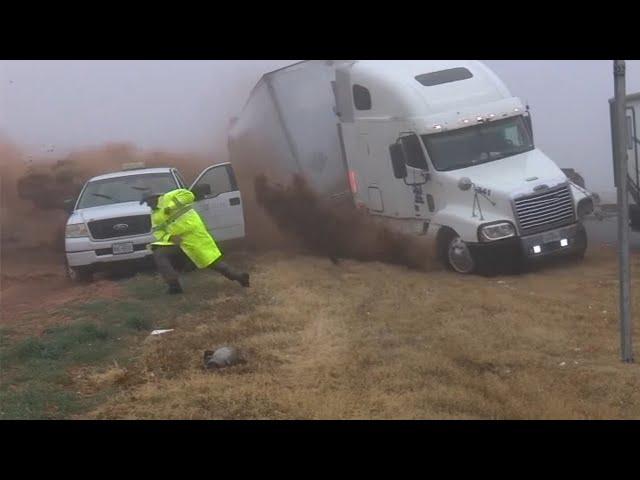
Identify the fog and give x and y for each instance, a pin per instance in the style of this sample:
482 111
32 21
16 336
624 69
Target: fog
52 107
166 105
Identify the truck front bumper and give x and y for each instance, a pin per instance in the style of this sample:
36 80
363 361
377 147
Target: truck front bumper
558 242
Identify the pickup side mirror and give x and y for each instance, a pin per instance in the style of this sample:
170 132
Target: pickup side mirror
398 161
68 205
201 191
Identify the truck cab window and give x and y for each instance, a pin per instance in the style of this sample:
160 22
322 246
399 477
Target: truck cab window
361 97
413 152
482 143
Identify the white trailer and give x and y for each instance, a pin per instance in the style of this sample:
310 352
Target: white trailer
632 112
434 148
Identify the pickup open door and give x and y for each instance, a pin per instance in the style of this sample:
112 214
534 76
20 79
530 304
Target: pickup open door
221 209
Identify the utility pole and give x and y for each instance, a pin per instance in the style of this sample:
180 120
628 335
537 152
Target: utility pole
618 137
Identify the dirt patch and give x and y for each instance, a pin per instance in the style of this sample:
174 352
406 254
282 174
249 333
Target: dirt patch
17 312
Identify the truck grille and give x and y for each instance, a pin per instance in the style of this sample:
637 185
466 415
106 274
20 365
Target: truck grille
114 227
545 211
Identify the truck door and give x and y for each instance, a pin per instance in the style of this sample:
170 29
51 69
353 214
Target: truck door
632 146
221 208
417 176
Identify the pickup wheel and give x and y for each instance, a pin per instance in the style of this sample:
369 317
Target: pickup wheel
79 274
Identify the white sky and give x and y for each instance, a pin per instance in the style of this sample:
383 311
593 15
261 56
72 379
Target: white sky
186 105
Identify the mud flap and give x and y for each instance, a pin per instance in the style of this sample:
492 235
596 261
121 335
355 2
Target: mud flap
634 217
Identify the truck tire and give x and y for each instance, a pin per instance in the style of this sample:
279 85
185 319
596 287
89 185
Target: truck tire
79 274
456 254
581 242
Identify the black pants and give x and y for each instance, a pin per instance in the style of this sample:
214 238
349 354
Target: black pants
165 256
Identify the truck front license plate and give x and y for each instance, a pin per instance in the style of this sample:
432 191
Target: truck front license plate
120 248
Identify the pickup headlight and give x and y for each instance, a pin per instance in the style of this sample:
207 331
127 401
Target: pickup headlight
76 230
496 231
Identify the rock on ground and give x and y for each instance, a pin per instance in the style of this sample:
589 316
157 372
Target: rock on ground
222 357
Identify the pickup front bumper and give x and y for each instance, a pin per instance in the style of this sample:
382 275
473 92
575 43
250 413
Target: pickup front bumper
84 251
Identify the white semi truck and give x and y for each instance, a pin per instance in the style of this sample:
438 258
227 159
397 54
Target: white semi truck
434 148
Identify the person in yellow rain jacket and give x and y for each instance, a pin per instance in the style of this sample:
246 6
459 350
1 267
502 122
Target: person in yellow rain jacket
177 226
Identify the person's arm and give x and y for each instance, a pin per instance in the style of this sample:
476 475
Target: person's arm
178 228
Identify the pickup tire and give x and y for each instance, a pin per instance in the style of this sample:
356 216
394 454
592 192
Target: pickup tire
79 274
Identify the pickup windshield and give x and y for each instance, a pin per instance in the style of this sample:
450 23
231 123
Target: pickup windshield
130 188
481 143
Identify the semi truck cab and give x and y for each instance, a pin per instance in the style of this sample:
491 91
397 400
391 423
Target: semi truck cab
442 149
108 225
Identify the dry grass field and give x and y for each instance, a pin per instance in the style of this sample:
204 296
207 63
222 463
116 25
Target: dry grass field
354 341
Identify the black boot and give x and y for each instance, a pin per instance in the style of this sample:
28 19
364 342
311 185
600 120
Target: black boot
175 288
232 274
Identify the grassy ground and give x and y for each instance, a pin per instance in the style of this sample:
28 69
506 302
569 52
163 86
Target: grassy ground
59 372
358 340
40 373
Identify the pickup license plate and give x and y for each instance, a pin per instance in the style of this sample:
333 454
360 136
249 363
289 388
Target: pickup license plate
550 237
120 248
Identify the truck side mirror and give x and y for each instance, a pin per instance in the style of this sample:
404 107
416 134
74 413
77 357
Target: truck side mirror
397 161
201 191
68 205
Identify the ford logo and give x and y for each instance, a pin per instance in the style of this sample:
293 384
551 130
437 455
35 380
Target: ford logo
120 227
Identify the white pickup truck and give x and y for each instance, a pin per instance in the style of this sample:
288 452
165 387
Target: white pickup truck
108 224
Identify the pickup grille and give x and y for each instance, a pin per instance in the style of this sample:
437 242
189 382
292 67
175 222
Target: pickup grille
135 225
545 211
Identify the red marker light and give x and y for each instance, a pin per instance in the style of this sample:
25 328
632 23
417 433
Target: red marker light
353 183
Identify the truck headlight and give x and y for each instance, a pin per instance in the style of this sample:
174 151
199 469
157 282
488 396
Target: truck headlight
496 231
585 207
76 230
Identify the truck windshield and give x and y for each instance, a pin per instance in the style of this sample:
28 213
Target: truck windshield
125 189
478 144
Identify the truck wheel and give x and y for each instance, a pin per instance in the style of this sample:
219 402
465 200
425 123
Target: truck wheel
458 255
581 242
79 274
